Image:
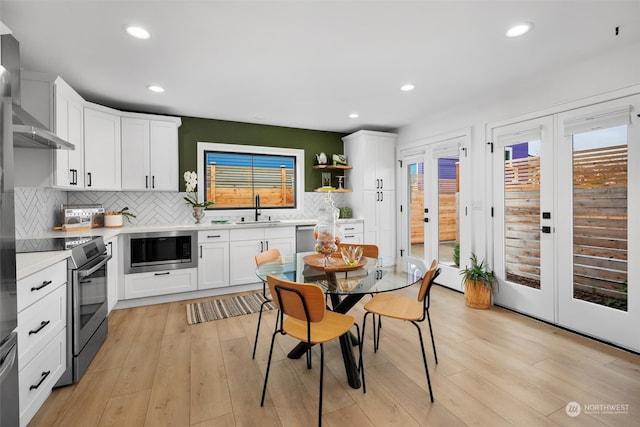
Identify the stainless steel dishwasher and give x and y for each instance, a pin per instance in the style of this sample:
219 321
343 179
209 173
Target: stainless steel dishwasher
305 241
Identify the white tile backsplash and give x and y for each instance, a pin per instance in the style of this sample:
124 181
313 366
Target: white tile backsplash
37 209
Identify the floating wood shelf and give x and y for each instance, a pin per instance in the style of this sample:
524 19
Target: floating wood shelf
343 167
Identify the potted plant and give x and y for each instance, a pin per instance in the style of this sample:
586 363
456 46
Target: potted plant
478 284
190 183
116 218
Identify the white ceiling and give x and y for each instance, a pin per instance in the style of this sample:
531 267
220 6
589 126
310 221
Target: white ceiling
309 64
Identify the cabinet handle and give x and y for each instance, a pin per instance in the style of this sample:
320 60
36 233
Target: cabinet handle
153 181
261 246
267 243
200 251
39 328
89 179
37 288
381 196
349 228
381 183
146 181
214 236
75 177
43 377
162 274
349 236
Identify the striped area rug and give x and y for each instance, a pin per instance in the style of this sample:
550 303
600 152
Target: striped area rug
222 308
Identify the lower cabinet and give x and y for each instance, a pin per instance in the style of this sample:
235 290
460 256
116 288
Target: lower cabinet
160 283
42 336
353 232
250 241
213 261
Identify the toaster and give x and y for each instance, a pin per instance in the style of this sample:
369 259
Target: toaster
83 215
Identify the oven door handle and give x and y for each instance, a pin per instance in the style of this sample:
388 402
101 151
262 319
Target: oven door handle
98 266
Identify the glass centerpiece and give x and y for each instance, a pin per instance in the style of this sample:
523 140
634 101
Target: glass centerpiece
327 232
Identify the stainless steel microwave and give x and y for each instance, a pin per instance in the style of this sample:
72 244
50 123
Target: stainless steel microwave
165 250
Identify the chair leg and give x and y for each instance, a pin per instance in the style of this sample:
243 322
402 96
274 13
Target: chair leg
321 381
255 343
360 363
424 358
379 327
266 375
433 342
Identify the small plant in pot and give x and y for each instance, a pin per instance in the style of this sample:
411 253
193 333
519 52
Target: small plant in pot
478 284
116 218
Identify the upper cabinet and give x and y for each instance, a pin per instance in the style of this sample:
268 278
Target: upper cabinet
149 152
102 165
69 125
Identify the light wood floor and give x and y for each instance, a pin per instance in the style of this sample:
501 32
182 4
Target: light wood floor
496 368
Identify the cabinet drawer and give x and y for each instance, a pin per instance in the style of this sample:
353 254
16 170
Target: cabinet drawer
39 323
246 234
352 228
212 236
279 232
160 283
32 288
38 378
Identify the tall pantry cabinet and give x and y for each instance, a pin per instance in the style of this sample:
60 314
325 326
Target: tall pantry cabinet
372 155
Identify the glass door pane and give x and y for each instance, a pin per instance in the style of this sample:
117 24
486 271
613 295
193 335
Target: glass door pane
448 211
415 181
522 213
600 217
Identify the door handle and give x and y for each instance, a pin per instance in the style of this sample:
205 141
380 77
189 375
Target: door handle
426 220
546 229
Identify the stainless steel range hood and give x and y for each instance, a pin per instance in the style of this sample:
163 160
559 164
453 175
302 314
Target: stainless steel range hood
27 130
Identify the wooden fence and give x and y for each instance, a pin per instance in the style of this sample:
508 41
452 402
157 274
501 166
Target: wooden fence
447 212
599 216
236 186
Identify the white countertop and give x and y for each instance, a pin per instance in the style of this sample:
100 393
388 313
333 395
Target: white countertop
29 263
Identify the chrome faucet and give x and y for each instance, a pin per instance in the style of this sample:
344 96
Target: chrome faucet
258 211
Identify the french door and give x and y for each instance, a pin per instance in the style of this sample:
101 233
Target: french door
598 191
523 245
431 215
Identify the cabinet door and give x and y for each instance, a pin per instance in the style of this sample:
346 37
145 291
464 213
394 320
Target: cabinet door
370 206
69 120
213 266
385 162
164 155
243 262
102 150
385 224
135 154
286 246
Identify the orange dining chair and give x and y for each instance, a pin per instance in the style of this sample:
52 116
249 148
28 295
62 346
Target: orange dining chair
395 306
304 316
261 258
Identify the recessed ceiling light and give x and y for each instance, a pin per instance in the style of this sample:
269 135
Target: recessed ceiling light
354 115
407 87
137 32
519 29
155 88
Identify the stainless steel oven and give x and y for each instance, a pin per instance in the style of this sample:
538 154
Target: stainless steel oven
166 250
87 302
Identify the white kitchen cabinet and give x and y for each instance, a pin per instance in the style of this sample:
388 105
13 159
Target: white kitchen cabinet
352 232
246 243
61 109
372 155
42 336
154 283
213 265
113 270
102 160
68 170
149 152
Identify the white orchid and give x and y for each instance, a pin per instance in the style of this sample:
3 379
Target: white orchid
190 183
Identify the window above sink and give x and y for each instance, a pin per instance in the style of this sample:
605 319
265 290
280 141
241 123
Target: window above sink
232 175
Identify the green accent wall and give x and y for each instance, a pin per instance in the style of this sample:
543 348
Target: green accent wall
194 130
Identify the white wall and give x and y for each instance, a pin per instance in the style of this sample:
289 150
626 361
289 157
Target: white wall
600 78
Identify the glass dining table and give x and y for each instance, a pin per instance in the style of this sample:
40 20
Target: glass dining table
345 286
